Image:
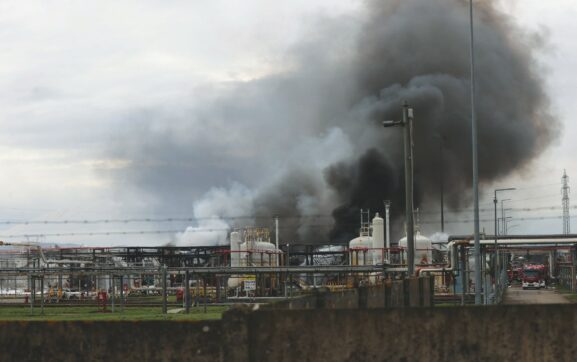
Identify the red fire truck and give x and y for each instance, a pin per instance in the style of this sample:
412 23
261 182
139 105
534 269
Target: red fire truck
534 276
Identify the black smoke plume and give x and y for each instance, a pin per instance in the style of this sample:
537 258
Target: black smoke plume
308 142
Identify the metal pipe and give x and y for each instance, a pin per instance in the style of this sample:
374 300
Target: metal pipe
276 239
388 228
210 270
452 246
520 239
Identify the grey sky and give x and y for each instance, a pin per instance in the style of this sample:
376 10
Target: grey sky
75 77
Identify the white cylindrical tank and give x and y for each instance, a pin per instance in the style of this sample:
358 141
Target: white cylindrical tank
359 250
378 239
423 249
235 241
235 257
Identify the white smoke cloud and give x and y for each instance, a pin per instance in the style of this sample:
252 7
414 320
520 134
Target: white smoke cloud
216 213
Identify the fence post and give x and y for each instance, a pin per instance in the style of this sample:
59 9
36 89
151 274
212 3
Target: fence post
164 291
421 289
112 293
42 295
187 291
406 293
121 294
362 293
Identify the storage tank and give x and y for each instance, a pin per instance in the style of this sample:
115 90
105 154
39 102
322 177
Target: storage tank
378 239
264 253
235 258
258 253
423 249
235 241
359 250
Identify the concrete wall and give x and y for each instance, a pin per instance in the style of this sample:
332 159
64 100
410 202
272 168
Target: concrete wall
412 292
499 333
516 333
117 341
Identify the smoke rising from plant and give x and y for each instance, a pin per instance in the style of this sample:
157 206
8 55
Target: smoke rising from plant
308 141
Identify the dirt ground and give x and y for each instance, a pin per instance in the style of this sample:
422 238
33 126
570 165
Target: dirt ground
516 295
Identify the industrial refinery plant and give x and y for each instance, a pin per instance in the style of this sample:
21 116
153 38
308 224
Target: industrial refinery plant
252 267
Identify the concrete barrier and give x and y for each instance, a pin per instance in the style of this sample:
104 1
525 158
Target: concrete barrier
497 333
412 292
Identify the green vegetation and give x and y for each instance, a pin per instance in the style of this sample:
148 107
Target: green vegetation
93 313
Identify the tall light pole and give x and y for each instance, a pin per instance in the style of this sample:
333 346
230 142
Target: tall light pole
504 230
496 259
407 123
506 222
441 180
478 279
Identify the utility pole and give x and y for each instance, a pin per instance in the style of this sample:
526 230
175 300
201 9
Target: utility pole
478 276
565 201
407 123
496 252
442 180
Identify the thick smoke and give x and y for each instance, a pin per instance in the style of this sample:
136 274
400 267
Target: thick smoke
308 143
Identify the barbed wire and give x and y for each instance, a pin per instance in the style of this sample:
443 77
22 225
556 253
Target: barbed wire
227 229
245 217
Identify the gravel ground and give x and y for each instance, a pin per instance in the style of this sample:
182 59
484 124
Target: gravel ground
516 295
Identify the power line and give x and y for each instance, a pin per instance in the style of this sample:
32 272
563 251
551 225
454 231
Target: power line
154 220
466 221
136 232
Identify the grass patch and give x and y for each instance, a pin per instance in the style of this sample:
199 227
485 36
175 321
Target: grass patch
83 313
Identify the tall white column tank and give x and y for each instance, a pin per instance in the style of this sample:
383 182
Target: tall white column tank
378 239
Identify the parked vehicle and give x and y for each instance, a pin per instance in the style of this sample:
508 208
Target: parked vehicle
534 276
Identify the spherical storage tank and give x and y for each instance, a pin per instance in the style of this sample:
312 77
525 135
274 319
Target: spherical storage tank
359 250
264 254
250 254
423 249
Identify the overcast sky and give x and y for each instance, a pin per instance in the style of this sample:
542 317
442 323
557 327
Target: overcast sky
75 77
